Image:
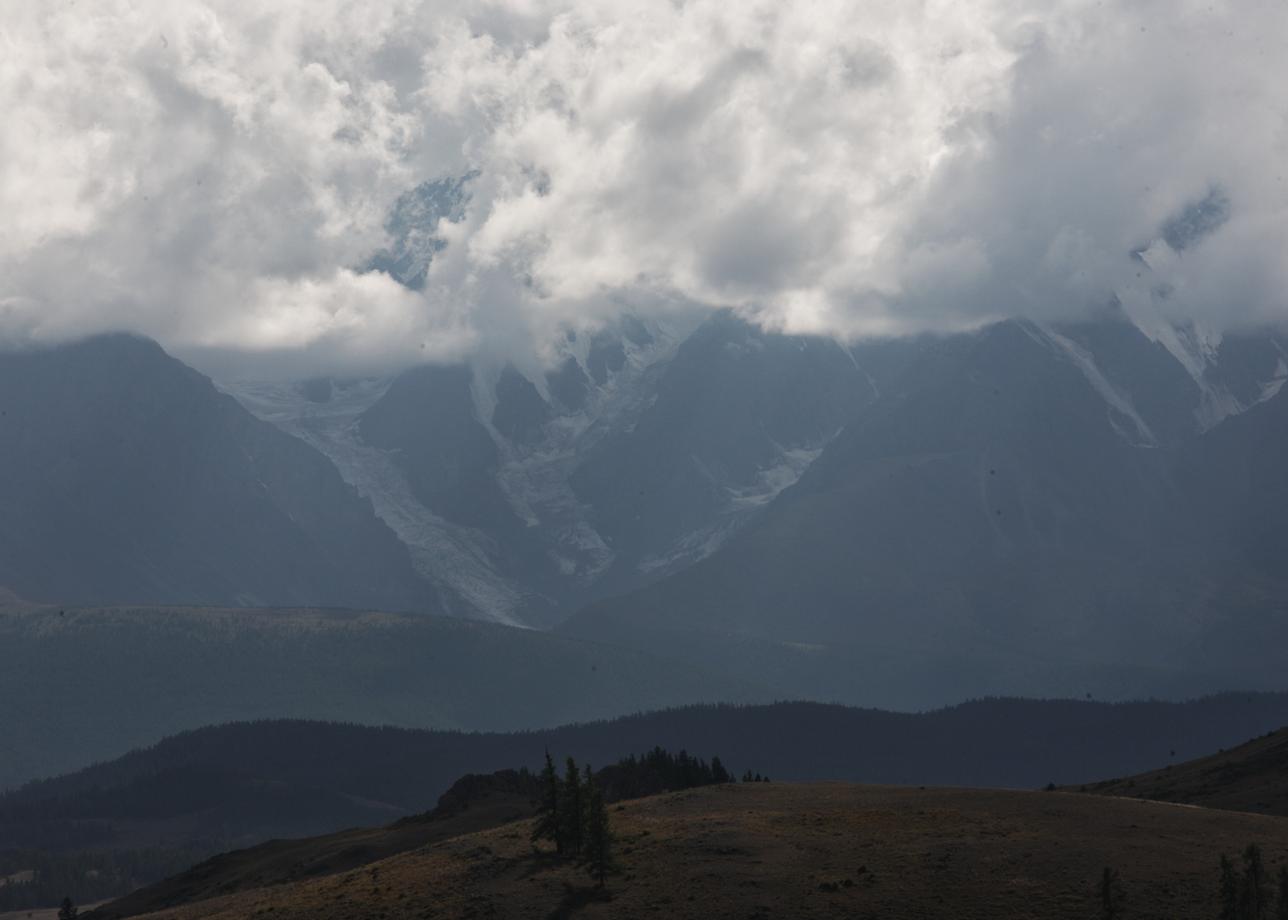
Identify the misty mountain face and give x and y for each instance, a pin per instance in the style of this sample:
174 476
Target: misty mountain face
641 450
522 495
126 477
1022 509
1028 507
735 417
1024 494
430 428
998 468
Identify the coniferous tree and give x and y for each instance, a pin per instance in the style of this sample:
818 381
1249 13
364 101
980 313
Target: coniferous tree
572 810
1254 898
1281 907
548 824
587 786
1229 890
67 910
1111 894
599 836
718 772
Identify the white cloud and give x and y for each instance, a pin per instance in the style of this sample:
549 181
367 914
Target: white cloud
211 174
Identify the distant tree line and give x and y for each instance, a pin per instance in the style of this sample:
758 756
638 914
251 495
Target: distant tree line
572 810
659 771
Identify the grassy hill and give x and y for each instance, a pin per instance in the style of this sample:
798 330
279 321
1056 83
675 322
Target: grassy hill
104 830
475 803
1252 777
802 851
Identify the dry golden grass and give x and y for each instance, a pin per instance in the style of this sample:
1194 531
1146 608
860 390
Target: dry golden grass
804 851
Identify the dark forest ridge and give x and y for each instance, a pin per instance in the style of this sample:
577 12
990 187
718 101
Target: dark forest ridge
156 671
994 742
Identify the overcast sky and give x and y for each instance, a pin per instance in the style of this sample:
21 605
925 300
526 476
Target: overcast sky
218 177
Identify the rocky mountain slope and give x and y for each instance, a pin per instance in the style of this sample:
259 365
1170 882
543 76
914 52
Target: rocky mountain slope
1008 503
126 477
522 496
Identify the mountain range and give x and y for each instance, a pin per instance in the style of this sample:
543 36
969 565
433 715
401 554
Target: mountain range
1092 507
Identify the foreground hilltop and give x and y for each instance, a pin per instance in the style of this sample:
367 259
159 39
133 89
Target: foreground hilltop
110 828
817 850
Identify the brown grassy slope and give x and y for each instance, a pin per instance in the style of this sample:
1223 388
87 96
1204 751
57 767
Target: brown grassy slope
803 851
278 862
1250 777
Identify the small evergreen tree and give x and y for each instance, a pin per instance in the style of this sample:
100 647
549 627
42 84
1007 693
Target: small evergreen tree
1229 890
718 772
587 786
1254 896
548 825
572 806
1281 907
66 910
599 836
1111 894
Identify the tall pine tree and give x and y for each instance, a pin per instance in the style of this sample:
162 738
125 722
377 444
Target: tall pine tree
1111 894
1229 890
1254 898
599 836
718 772
572 810
548 826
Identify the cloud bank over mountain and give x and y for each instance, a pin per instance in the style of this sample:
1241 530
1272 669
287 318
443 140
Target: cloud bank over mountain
223 178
